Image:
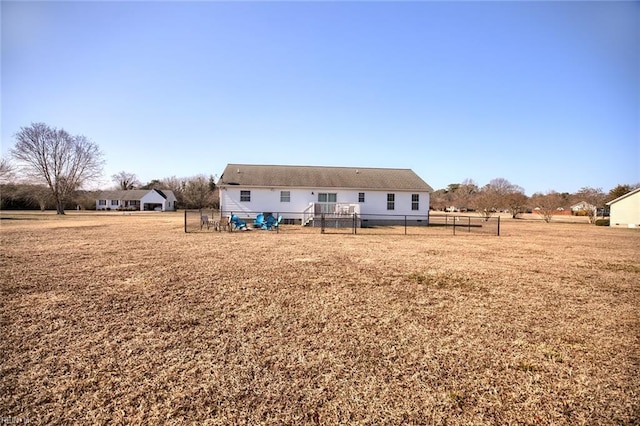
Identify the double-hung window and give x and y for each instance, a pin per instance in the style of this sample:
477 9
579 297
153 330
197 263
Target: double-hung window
391 201
415 201
361 197
285 196
245 196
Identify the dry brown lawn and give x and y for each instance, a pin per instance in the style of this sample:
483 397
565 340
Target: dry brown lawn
125 319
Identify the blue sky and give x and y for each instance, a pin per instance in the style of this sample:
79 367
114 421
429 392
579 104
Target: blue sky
544 94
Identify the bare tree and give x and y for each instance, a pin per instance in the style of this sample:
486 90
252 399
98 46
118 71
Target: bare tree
176 185
125 180
459 195
517 203
7 170
465 193
197 192
486 202
39 194
494 196
54 157
438 199
595 197
547 204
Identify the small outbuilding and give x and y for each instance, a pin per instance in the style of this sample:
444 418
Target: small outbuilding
625 210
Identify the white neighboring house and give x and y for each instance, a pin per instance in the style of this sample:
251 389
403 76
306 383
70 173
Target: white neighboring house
625 210
137 199
583 206
301 194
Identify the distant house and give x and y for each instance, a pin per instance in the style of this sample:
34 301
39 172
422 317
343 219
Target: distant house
582 206
137 199
301 194
625 210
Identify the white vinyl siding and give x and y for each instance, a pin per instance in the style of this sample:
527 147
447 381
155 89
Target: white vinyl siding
268 200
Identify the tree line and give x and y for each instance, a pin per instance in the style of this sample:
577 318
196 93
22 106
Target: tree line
500 195
193 192
48 168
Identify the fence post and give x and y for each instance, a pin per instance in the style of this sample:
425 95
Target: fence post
498 226
185 221
454 225
469 223
405 224
355 223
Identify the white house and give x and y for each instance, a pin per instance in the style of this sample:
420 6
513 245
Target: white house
137 199
625 210
301 194
582 206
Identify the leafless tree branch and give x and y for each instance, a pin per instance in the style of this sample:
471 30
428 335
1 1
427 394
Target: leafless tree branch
54 157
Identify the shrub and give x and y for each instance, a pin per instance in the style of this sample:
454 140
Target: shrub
602 222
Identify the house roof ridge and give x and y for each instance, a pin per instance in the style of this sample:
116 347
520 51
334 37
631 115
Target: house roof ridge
316 166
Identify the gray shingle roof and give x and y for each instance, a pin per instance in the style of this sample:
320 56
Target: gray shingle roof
131 194
323 177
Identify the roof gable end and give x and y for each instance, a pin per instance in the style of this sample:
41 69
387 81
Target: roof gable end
628 194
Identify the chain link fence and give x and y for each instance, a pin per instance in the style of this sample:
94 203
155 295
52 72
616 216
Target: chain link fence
205 220
466 224
210 220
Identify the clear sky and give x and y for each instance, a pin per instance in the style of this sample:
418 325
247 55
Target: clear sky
543 94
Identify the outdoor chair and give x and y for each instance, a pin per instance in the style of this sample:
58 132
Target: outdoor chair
271 222
224 224
236 223
204 221
260 222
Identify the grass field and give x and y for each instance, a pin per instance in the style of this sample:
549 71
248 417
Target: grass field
125 319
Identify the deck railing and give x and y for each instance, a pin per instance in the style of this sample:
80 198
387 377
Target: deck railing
315 210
